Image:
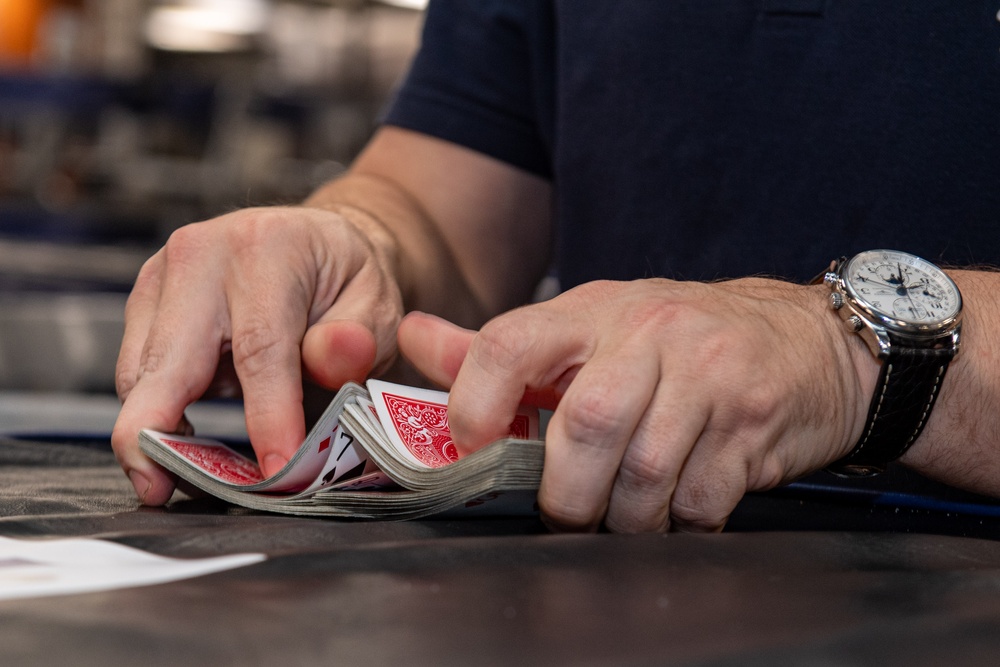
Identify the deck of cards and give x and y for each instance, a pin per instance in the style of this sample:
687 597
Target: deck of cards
381 452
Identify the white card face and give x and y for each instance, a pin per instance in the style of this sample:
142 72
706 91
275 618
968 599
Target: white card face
36 568
346 460
416 422
322 452
324 457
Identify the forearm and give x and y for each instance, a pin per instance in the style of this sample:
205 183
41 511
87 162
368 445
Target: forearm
425 269
961 442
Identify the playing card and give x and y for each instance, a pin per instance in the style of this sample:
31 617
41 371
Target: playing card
386 455
415 421
369 411
327 455
345 460
373 481
214 459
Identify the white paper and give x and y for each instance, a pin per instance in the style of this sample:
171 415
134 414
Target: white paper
38 568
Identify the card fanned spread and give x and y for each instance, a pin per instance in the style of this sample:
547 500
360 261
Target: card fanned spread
384 452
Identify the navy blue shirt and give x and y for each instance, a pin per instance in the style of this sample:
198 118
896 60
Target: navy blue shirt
702 139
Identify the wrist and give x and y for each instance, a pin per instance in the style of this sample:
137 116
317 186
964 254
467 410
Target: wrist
407 241
959 444
841 362
856 373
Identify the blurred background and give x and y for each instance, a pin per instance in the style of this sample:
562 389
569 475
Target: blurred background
121 120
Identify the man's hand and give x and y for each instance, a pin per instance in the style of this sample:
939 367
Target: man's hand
672 400
243 303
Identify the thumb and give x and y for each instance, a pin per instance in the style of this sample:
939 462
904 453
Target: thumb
437 349
434 346
338 351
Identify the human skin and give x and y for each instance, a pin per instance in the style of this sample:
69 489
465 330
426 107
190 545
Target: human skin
672 399
256 301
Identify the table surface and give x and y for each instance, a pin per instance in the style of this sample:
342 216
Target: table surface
800 578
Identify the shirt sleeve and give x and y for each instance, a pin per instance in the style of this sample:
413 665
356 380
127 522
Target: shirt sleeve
475 80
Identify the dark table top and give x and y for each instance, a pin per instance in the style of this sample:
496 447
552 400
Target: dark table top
802 577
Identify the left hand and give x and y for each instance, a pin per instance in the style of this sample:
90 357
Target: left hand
672 399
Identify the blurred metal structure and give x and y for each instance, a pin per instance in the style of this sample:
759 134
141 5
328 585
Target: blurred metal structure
114 131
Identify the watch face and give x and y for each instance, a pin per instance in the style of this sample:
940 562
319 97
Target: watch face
901 288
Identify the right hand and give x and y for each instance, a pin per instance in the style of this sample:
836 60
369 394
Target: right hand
268 293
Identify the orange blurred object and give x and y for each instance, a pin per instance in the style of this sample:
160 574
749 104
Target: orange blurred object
19 23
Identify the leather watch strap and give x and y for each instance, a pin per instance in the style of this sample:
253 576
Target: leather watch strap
908 385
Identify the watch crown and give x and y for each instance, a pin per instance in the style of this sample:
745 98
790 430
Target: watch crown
836 300
830 279
854 324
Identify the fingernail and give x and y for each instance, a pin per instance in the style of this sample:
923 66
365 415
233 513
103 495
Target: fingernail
140 484
273 463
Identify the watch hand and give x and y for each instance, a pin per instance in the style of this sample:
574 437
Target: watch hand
879 282
902 278
925 287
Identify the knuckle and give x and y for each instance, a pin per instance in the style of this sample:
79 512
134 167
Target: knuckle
258 228
184 244
746 417
500 345
592 416
157 358
644 469
717 350
148 278
256 347
595 290
696 507
154 357
641 497
241 231
125 379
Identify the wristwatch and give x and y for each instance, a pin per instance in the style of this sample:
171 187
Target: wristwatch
909 312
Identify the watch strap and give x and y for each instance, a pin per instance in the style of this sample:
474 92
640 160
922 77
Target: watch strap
908 385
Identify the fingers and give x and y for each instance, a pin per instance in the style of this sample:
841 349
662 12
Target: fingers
605 389
664 423
140 310
434 346
173 367
266 337
187 304
606 454
355 337
659 452
437 348
588 435
255 297
525 350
